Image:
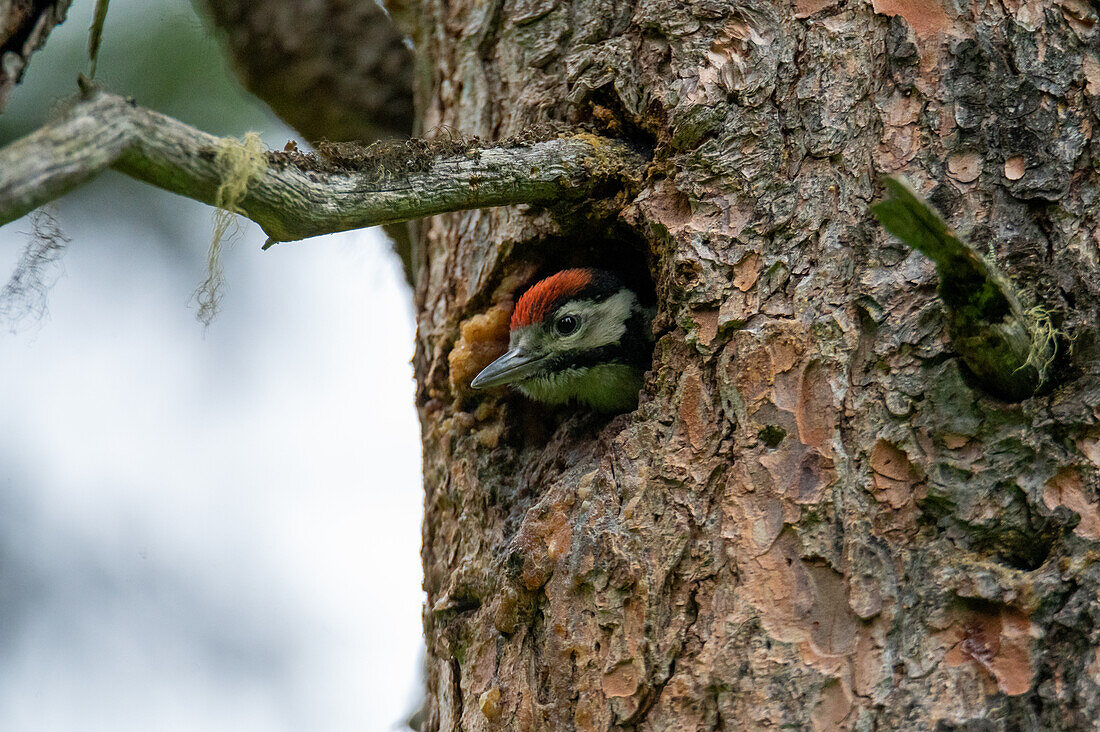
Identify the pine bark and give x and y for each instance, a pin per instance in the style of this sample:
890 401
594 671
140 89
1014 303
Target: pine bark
818 517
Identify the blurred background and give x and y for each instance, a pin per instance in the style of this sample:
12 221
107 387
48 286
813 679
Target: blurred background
209 529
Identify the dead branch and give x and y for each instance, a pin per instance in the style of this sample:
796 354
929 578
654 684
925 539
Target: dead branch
293 196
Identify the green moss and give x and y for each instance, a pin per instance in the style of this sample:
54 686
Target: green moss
772 435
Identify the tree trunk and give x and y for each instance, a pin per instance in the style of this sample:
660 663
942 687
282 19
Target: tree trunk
818 517
335 71
24 27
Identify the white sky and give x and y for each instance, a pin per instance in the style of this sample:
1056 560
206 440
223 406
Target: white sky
207 531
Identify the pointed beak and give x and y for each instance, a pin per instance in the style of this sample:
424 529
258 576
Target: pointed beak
516 365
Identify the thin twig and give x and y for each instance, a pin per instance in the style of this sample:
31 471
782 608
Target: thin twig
95 35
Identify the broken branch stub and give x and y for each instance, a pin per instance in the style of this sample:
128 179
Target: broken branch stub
1008 348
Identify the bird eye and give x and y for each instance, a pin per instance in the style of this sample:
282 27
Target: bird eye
566 324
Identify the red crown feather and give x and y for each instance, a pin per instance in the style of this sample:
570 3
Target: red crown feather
535 304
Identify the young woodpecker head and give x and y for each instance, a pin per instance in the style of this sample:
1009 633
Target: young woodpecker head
579 335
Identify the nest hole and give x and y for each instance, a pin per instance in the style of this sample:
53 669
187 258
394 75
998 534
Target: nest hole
613 247
610 246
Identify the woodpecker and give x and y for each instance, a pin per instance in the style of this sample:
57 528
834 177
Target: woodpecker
579 335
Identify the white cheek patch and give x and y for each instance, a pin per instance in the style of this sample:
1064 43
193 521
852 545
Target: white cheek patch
602 323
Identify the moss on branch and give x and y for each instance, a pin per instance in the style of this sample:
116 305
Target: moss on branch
289 197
